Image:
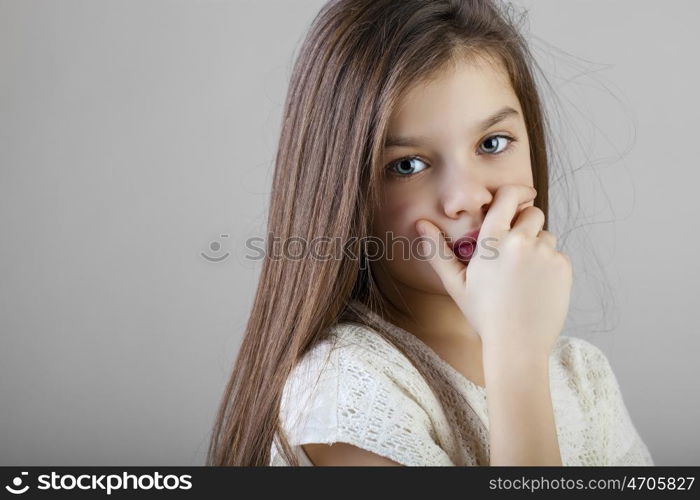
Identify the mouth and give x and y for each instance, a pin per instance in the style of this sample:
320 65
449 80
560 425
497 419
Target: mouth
464 247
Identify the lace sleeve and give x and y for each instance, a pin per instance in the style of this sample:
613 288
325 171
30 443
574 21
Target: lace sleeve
619 439
344 395
638 454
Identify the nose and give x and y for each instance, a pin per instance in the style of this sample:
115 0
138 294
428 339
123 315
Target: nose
464 193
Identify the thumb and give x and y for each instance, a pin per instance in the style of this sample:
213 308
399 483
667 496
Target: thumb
449 269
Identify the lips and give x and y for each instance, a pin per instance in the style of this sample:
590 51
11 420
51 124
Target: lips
465 246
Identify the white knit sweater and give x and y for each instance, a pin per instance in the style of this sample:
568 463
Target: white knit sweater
362 390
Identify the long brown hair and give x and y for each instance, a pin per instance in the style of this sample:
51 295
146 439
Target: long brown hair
358 58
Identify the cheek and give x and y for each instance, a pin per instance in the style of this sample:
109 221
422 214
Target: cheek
395 216
515 170
524 162
400 211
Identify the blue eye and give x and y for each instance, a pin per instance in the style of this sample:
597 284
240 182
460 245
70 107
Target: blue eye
493 140
402 167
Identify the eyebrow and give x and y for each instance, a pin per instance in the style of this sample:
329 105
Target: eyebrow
395 141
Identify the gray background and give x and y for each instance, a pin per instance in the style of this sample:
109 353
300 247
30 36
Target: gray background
134 134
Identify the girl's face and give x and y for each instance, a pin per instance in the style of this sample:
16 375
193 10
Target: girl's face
451 143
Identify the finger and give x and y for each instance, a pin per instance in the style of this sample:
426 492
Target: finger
441 258
530 222
502 211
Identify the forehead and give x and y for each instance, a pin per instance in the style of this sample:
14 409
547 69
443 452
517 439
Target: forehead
459 95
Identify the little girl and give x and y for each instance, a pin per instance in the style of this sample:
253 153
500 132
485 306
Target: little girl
413 314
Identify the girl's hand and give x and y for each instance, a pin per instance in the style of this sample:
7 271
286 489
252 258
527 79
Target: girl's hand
517 296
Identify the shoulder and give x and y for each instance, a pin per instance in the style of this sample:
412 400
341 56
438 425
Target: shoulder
346 349
350 361
355 387
353 361
582 356
599 394
588 370
361 343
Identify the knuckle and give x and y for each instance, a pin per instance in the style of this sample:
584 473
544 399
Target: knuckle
548 236
516 237
564 259
517 240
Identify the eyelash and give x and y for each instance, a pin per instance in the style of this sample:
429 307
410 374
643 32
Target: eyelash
390 167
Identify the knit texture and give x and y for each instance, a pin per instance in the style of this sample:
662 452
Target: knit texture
356 387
